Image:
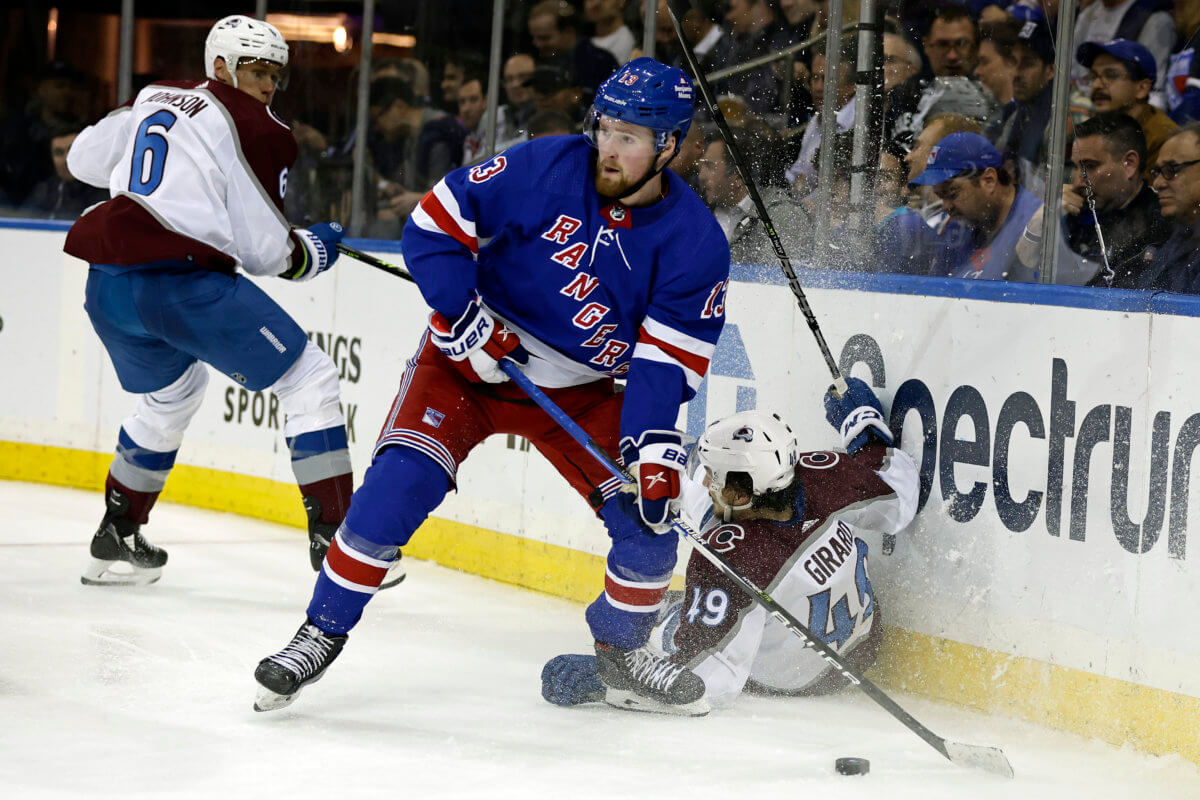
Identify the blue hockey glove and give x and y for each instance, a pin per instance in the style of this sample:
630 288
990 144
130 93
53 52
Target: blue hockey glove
570 680
319 250
656 461
476 343
857 416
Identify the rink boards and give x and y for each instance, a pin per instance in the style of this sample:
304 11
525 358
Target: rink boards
1049 574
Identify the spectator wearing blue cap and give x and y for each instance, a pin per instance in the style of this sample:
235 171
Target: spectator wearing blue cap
1120 76
1175 266
969 176
1147 22
1023 131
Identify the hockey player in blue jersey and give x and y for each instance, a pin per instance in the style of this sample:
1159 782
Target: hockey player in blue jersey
583 260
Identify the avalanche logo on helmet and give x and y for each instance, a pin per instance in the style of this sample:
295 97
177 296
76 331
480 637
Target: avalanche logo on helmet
744 435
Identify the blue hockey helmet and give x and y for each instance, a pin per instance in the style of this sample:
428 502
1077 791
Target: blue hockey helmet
648 93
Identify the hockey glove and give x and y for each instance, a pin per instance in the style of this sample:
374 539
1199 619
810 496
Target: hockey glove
656 461
476 343
857 416
317 253
570 680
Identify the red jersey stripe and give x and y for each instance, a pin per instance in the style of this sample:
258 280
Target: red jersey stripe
697 364
441 217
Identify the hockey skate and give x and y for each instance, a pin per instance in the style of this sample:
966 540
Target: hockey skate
281 676
320 536
120 540
639 680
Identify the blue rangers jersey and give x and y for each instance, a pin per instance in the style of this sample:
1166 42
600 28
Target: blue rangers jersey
593 288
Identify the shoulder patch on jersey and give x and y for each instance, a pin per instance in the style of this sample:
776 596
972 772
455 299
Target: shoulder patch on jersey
480 173
724 538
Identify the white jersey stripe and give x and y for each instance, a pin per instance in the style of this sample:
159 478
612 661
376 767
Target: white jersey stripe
637 584
650 352
345 584
679 339
422 220
442 192
347 550
635 609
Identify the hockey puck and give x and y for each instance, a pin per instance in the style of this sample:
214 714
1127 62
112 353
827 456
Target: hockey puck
852 766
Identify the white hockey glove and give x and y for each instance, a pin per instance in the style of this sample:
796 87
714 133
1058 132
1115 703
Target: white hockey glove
476 343
857 416
656 461
317 253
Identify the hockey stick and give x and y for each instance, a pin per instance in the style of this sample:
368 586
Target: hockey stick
370 260
743 170
990 759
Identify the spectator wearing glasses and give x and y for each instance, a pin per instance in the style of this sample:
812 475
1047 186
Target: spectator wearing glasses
1120 76
1175 266
968 175
1147 22
950 45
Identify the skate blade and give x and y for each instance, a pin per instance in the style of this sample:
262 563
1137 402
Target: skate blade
270 701
630 701
395 575
101 573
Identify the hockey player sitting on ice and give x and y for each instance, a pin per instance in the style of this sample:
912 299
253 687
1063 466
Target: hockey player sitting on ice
795 524
582 259
197 171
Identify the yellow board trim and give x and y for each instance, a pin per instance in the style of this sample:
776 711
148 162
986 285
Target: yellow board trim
1118 712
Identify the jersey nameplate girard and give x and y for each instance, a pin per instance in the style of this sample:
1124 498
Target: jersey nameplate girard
197 171
594 289
815 566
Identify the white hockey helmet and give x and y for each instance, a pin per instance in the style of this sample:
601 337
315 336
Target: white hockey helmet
758 443
237 37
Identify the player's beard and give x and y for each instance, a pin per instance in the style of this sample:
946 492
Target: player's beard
621 185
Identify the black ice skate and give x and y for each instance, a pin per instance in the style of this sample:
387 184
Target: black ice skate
120 540
320 536
639 680
281 676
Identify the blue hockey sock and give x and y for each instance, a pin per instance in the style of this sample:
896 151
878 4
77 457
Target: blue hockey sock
638 572
399 491
349 578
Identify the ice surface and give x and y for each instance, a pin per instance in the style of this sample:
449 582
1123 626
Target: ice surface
146 693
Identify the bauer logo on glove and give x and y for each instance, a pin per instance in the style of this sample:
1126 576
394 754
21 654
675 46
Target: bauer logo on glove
476 343
657 460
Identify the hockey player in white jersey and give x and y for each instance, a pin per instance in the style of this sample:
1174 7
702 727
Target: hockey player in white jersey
792 522
197 171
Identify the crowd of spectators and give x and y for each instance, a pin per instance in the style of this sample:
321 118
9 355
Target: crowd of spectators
967 95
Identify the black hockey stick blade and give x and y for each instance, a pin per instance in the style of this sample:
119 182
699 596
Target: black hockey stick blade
370 260
988 759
